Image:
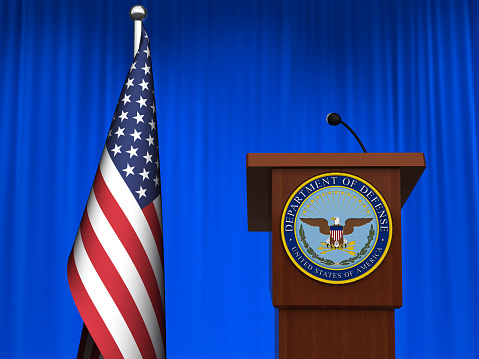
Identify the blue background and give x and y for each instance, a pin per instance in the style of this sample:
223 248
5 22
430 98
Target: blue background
233 77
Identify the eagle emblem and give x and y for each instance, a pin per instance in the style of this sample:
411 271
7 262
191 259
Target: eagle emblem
336 232
336 228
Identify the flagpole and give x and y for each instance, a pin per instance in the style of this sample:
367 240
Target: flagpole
137 14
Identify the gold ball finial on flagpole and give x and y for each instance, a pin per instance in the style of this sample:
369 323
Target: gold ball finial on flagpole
138 12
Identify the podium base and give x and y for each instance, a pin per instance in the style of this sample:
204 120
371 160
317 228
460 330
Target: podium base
336 333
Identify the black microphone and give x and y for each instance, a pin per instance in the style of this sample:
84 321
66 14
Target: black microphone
334 119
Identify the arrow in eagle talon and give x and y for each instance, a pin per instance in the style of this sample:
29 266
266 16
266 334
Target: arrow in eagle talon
324 250
347 250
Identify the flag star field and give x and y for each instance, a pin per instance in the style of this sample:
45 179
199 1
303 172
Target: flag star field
133 138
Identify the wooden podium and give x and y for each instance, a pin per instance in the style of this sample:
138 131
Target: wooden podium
321 320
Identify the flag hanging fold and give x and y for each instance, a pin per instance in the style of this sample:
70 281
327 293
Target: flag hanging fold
115 269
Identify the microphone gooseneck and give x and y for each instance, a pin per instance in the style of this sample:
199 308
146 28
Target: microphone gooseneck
334 119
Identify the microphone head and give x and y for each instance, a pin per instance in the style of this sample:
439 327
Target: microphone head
333 119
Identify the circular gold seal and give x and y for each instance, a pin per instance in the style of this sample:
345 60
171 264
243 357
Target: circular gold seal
336 228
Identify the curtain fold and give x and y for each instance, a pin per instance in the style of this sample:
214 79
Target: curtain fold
233 77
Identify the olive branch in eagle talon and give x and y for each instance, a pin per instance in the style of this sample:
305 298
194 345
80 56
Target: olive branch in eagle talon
363 251
310 250
337 232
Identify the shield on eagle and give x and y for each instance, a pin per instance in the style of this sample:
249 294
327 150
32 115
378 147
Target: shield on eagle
336 236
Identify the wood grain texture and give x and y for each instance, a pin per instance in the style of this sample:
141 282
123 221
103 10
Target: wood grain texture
321 320
293 289
285 160
336 334
259 167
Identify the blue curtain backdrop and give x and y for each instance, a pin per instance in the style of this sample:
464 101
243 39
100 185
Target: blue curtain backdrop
233 77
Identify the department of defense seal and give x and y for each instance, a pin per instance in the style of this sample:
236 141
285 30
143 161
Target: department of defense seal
336 228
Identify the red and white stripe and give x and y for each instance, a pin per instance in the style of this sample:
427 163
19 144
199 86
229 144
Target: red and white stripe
336 234
115 270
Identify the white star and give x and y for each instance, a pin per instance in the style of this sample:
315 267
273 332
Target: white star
157 181
126 99
150 140
147 51
144 85
139 118
157 163
132 152
119 132
146 68
133 67
109 133
148 157
153 107
116 150
141 192
129 83
142 102
123 115
136 135
128 170
152 124
144 174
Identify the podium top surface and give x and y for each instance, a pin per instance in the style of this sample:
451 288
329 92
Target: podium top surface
260 165
284 160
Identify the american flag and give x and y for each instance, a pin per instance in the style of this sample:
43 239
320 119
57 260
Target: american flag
115 269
